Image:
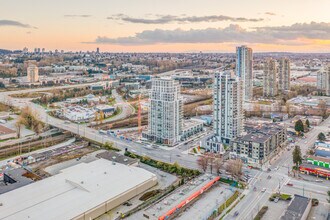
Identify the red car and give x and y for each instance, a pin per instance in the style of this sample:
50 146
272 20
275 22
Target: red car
289 184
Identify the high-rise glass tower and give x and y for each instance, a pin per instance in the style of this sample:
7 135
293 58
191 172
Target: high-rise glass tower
228 106
284 74
244 66
270 88
166 112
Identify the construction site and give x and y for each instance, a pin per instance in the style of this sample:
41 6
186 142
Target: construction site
133 125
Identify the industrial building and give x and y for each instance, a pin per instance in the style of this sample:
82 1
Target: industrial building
107 110
82 192
78 113
13 179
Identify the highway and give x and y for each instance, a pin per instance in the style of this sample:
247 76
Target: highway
170 155
252 201
126 108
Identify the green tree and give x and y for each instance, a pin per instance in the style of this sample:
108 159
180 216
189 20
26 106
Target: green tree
321 137
296 156
299 126
307 123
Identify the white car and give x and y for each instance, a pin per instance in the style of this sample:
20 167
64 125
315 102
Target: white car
263 190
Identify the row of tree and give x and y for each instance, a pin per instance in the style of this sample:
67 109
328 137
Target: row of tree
215 163
61 95
300 126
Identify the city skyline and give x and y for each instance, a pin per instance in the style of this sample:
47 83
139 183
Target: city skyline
171 26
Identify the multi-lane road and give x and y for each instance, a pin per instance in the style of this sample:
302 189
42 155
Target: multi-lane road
163 154
252 201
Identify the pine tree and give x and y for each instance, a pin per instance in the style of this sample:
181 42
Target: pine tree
296 156
299 126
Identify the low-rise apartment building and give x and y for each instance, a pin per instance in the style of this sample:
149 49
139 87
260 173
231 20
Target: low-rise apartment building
259 145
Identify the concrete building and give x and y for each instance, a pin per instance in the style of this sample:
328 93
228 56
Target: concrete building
32 73
78 114
284 74
298 208
191 127
81 192
107 110
7 133
14 179
166 112
260 144
244 66
228 106
323 81
327 82
269 79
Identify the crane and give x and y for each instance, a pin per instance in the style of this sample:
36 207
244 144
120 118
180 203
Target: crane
139 116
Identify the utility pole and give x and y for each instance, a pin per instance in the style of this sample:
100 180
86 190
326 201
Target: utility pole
139 116
303 189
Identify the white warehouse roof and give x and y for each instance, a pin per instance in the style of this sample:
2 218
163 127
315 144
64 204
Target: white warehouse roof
74 191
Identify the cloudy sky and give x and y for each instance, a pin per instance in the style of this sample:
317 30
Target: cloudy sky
166 25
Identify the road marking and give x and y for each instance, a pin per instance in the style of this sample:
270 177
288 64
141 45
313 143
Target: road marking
252 203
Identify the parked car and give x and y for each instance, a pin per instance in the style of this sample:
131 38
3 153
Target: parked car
263 190
236 213
276 199
289 184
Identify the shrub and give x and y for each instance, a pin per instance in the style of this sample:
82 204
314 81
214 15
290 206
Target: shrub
261 213
170 168
284 197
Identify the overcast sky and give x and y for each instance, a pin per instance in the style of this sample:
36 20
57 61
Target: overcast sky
166 26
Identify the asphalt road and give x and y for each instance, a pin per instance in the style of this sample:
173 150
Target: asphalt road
162 154
126 108
254 200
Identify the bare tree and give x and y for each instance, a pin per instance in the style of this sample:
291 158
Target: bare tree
235 167
218 164
214 161
18 129
203 162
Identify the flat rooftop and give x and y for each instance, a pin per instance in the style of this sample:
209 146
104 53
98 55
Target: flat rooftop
19 178
116 157
297 208
4 130
74 191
